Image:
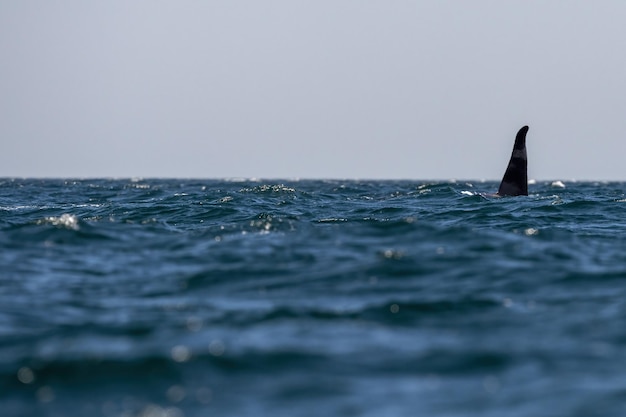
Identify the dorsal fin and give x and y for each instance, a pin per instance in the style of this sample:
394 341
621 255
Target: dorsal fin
515 180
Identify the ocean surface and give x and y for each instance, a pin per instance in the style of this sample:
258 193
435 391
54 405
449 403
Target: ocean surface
285 298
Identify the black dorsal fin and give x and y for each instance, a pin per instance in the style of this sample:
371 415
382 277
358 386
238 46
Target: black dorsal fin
515 180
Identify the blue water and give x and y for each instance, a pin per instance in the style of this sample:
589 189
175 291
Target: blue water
311 298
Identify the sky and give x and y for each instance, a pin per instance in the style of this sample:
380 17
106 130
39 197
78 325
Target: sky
362 89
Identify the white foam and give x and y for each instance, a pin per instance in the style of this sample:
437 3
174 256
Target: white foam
15 208
65 220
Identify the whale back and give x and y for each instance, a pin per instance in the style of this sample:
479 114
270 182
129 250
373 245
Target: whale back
515 180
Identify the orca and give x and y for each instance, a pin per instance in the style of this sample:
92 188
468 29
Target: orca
515 180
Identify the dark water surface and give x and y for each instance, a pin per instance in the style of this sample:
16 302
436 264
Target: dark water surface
311 298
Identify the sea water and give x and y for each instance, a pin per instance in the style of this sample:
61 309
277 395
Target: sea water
311 298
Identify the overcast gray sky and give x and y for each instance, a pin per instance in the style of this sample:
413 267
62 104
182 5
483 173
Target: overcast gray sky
312 89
